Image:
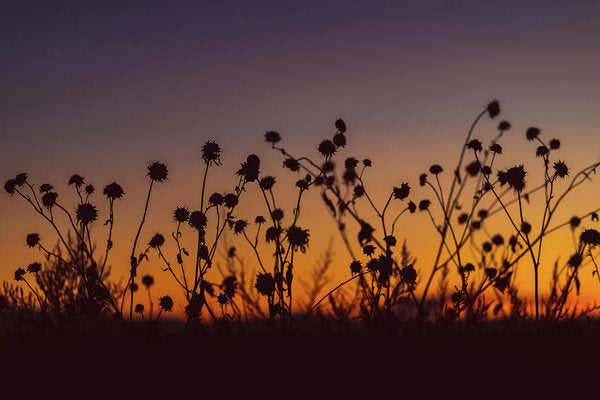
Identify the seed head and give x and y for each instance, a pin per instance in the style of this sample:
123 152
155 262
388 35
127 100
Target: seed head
166 303
86 213
157 171
33 239
76 180
272 137
181 214
113 191
211 152
402 192
532 133
156 241
493 108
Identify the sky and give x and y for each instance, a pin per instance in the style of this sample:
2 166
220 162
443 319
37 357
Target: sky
102 88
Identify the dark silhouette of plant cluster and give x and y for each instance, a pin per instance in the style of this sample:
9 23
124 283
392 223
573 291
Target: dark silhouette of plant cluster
70 289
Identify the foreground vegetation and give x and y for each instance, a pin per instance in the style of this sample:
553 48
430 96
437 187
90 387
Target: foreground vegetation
69 291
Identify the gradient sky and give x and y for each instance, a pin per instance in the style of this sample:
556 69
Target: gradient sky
101 88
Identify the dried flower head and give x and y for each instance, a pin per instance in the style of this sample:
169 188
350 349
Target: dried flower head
197 220
265 284
355 267
216 199
21 179
86 213
19 273
493 108
435 169
211 152
156 241
574 222
340 125
113 191
33 239
272 234
46 187
422 180
475 145
532 133
230 200
555 144
250 169
89 189
272 137
327 148
424 205
147 280
157 171
291 164
166 303
181 214
402 192
139 308
49 199
541 151
560 169
34 267
267 182
298 237
590 237
277 214
495 148
409 275
473 168
515 177
239 226
503 126
339 139
76 180
412 207
260 220
10 186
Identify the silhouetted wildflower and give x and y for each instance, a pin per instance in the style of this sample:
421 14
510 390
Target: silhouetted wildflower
267 182
302 184
250 169
181 214
76 180
369 250
486 170
462 218
493 108
239 226
555 144
272 137
475 145
211 152
532 133
355 267
113 191
590 237
157 171
491 272
89 189
260 220
277 214
197 220
486 247
222 299
359 191
272 233
409 275
86 213
340 125
502 283
560 169
133 287
422 179
503 126
265 284
147 280
365 234
328 166
216 199
34 267
496 148
469 267
298 237
19 273
203 252
291 164
575 260
229 286
166 303
10 186
46 187
390 240
475 225
435 169
156 241
498 240
350 163
574 222
515 177
33 239
424 205
327 148
402 192
367 163
230 200
49 199
482 214
139 308
526 228
541 151
473 168
21 179
412 207
339 139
